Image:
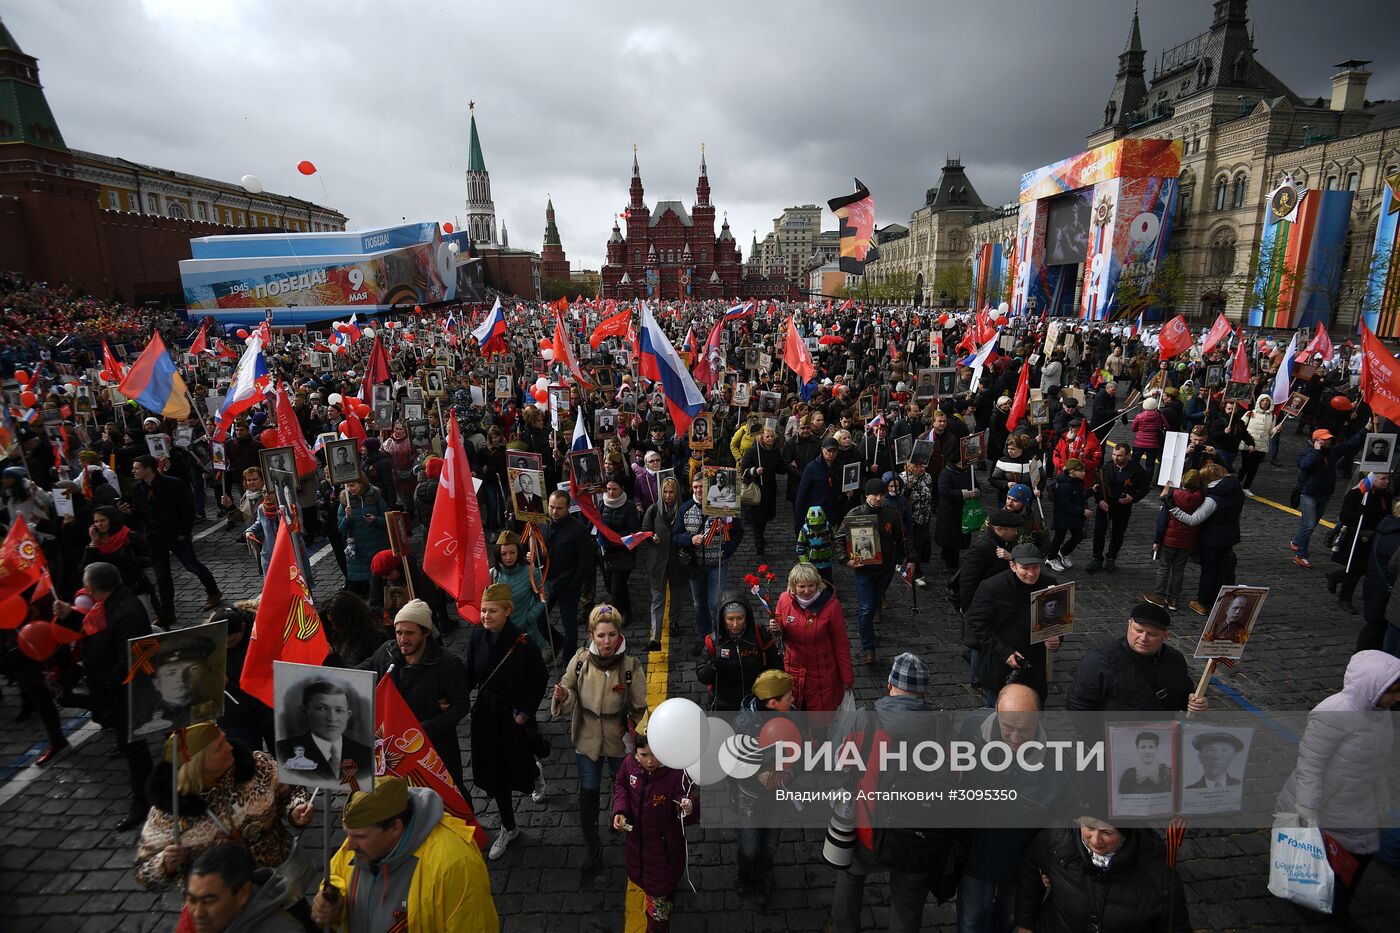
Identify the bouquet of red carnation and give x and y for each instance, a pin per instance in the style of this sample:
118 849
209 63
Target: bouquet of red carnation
759 584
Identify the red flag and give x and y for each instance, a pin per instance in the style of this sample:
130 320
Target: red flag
455 550
201 341
615 326
711 363
1380 376
564 353
286 627
226 352
1022 397
289 432
1239 372
353 426
376 371
796 356
589 508
1218 332
1321 343
22 563
1174 338
402 749
112 364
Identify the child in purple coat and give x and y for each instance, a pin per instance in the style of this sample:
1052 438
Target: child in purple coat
650 804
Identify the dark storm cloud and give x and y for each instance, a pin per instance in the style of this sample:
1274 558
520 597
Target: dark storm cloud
791 98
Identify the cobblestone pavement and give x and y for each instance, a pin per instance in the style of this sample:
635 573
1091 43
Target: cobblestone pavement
62 868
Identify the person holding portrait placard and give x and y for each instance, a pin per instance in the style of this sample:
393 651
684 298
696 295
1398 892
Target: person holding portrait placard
224 789
1363 507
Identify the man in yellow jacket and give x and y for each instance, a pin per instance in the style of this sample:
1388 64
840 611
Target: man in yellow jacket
406 865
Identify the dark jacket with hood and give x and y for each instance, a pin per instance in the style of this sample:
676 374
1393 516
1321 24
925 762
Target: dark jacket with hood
104 657
1129 896
729 663
439 674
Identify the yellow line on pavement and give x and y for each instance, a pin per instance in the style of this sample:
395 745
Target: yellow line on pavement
658 685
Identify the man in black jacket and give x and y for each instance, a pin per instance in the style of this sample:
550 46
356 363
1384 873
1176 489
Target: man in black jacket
1139 672
105 664
797 453
873 578
999 626
432 680
572 559
166 510
989 554
1122 482
1104 409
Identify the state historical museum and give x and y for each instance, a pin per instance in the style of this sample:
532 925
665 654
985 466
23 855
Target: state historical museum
670 254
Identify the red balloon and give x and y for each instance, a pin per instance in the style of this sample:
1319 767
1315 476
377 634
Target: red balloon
417 309
22 377
546 343
28 398
306 167
446 228
778 730
37 641
107 376
13 611
539 394
1341 403
344 428
943 318
269 438
242 333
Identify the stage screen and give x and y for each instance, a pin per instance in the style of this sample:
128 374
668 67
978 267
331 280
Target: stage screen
1067 228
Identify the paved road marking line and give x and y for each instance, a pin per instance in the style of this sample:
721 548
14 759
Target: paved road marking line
24 778
658 685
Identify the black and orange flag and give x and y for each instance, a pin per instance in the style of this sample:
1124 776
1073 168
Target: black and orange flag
856 212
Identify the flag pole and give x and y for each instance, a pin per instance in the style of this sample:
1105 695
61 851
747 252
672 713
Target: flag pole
1356 532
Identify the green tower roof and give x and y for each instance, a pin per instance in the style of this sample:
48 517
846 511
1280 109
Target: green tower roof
475 163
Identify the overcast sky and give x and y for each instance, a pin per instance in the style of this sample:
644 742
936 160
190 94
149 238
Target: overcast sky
790 98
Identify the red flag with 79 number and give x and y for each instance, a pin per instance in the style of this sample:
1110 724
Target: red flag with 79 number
455 550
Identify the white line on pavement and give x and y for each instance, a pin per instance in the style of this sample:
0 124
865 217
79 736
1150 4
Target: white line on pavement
17 783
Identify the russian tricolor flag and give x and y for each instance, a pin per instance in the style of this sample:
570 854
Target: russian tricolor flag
492 328
580 439
249 381
683 396
739 312
155 385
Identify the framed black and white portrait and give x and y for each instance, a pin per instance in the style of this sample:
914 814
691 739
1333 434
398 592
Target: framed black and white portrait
605 422
1377 453
850 476
1141 764
1213 762
177 679
343 459
435 382
702 432
324 725
586 471
527 497
721 492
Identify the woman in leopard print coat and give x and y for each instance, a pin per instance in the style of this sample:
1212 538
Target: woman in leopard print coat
242 802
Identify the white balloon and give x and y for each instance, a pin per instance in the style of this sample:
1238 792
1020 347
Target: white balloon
542 382
453 247
1004 308
542 406
251 184
678 733
334 399
368 332
548 355
707 770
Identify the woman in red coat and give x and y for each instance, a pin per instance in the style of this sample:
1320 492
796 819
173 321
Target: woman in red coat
817 652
